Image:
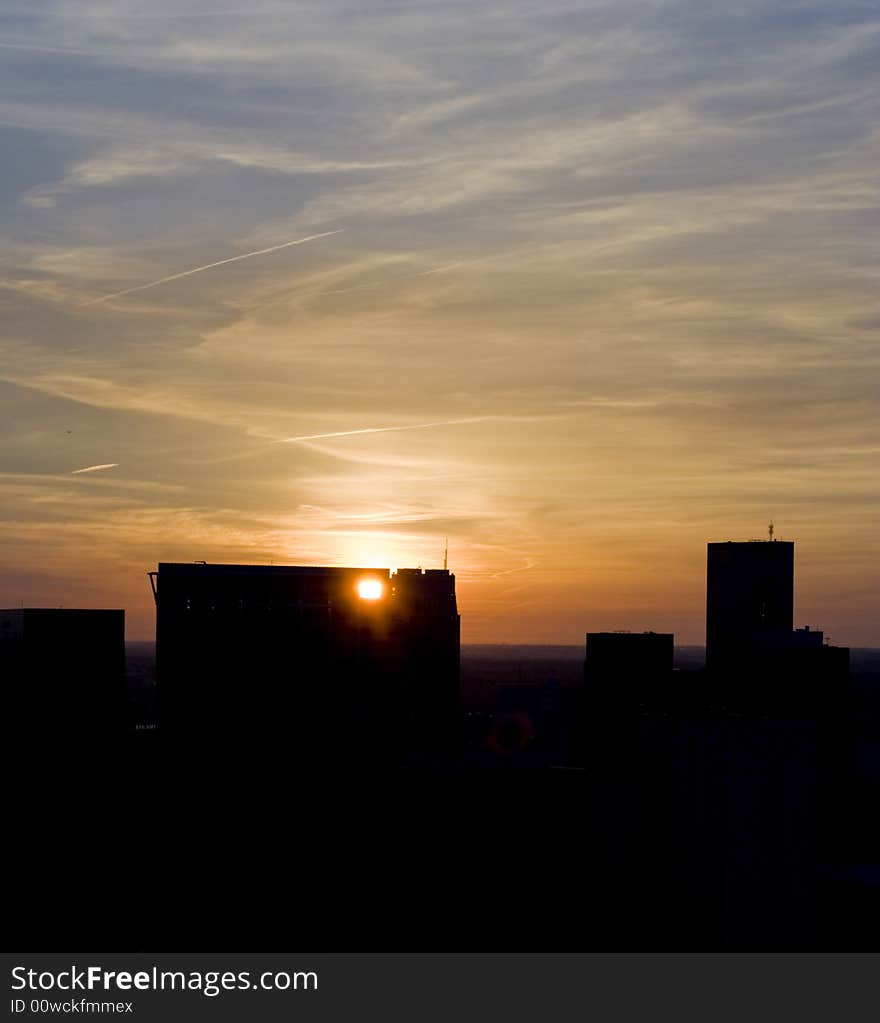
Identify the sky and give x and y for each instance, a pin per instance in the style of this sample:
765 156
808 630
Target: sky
578 285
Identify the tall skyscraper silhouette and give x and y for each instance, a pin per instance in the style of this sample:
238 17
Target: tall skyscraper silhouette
755 658
749 595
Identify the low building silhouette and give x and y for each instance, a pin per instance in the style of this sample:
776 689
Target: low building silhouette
329 661
623 670
795 673
63 673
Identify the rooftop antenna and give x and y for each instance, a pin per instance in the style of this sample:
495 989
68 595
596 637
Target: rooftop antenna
770 530
446 555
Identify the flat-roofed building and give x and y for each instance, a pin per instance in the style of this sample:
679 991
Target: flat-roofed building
628 668
345 659
749 592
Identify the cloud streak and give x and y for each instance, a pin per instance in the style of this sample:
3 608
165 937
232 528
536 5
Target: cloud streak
386 429
210 266
95 468
390 281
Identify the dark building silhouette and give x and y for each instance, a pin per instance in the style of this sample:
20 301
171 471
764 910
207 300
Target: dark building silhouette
749 592
804 674
756 661
424 639
742 784
627 669
330 661
63 672
727 775
728 809
623 671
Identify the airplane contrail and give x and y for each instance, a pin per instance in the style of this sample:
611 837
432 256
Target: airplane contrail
386 429
305 438
210 266
95 468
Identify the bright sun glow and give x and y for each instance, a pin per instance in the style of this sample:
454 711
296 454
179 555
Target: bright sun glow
369 589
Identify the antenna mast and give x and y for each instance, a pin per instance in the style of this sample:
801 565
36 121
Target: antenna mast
446 555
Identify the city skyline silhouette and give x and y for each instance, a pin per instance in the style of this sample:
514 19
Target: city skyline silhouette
646 618
234 641
439 488
720 798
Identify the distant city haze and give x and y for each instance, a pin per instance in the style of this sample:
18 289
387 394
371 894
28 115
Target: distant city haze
579 287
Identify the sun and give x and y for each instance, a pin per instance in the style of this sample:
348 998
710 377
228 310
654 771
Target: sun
369 589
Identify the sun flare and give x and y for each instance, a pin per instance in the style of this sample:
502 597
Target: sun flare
369 589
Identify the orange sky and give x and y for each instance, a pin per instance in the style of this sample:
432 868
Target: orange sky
594 284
